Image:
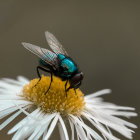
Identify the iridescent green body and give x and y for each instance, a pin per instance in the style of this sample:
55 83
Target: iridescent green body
67 64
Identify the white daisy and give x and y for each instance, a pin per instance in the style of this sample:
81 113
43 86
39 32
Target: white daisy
44 112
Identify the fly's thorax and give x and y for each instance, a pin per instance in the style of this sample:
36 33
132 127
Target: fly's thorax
61 56
68 66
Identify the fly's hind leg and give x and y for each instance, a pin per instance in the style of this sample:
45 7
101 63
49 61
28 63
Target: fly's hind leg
38 73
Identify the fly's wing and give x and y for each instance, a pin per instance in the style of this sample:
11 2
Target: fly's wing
46 55
54 44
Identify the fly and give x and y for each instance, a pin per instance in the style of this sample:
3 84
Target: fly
57 63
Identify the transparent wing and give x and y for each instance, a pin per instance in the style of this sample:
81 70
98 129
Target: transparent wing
54 44
46 55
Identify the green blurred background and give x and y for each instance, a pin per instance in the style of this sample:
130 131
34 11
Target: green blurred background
102 36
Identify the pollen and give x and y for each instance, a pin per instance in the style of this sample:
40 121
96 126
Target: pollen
56 99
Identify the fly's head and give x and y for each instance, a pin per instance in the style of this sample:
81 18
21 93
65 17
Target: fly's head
76 80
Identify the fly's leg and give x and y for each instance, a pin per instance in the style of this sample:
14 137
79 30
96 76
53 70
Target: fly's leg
75 91
74 86
66 87
38 73
77 85
50 83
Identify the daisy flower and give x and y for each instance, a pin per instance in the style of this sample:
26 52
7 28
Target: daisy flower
46 111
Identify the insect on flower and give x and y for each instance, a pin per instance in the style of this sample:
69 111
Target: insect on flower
46 111
56 63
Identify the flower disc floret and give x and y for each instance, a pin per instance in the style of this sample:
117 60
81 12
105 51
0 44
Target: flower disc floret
56 99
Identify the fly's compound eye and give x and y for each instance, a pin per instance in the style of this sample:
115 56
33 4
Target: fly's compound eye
82 75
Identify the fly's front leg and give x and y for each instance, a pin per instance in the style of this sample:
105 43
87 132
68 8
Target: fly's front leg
74 86
77 86
50 83
66 87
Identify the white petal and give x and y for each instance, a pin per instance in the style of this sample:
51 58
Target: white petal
11 118
7 111
12 81
41 126
17 135
62 136
23 110
23 80
10 97
52 126
113 122
49 117
123 113
37 129
64 127
7 91
88 136
40 132
22 122
91 131
98 93
102 130
72 129
80 132
28 127
11 103
22 133
105 105
9 86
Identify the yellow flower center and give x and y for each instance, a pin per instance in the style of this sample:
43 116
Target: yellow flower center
55 100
